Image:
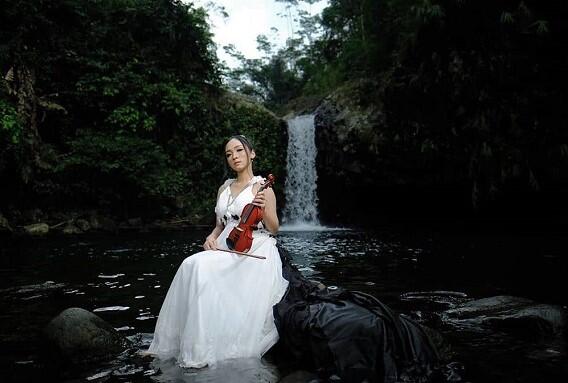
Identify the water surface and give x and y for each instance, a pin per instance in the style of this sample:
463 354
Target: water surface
124 279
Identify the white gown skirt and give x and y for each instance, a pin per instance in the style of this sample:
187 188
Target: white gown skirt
219 305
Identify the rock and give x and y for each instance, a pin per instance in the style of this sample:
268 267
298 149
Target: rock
538 319
70 228
444 348
79 336
5 225
485 306
347 120
94 221
83 224
446 299
27 292
300 376
34 215
181 201
37 229
513 314
40 287
135 222
349 131
107 224
100 222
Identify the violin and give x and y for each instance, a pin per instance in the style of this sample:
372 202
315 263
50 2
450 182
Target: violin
240 238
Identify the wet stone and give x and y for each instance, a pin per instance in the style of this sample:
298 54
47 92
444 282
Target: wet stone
79 336
71 229
83 224
128 370
135 221
300 376
37 229
5 225
512 314
47 286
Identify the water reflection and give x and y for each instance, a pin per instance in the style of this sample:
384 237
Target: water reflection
124 280
243 370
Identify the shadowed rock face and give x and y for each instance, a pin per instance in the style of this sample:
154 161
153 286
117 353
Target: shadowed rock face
79 336
362 152
5 225
513 314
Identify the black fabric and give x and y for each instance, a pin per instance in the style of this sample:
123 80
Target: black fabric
350 334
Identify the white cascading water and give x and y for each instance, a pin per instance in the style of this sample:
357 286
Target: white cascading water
301 211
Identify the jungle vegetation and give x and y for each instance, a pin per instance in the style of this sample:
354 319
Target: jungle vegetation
116 105
122 103
473 92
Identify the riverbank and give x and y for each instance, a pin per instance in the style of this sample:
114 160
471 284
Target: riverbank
37 223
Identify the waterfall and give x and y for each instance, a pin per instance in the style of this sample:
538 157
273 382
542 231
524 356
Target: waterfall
301 212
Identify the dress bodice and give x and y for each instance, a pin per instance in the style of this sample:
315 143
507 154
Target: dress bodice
229 208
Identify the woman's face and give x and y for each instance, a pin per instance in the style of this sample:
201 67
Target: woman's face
237 156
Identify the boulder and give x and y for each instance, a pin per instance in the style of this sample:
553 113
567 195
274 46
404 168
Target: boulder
37 288
79 336
108 224
94 220
5 225
349 131
83 224
513 314
70 228
135 222
37 229
100 222
300 376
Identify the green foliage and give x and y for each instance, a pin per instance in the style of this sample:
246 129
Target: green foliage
137 163
126 92
130 118
265 132
325 80
10 124
280 75
472 91
350 39
135 80
426 11
475 84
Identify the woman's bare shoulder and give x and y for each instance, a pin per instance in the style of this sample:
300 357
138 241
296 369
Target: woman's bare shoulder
224 186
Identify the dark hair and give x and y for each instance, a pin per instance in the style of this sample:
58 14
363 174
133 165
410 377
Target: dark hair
242 139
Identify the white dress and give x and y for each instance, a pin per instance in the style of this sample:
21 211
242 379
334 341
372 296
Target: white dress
219 305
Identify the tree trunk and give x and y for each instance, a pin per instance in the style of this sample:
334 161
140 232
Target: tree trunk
22 88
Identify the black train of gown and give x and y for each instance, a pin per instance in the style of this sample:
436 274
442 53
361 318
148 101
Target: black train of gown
350 334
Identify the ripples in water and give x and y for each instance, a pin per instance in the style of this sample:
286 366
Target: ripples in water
124 280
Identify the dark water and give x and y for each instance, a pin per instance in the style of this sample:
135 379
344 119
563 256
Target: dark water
124 279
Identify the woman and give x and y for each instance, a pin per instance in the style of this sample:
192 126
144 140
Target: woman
219 305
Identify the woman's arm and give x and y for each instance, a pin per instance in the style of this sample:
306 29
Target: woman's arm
266 200
211 240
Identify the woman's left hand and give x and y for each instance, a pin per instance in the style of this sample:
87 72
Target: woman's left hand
259 200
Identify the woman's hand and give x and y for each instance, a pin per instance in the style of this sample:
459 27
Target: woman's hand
259 200
266 200
210 243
